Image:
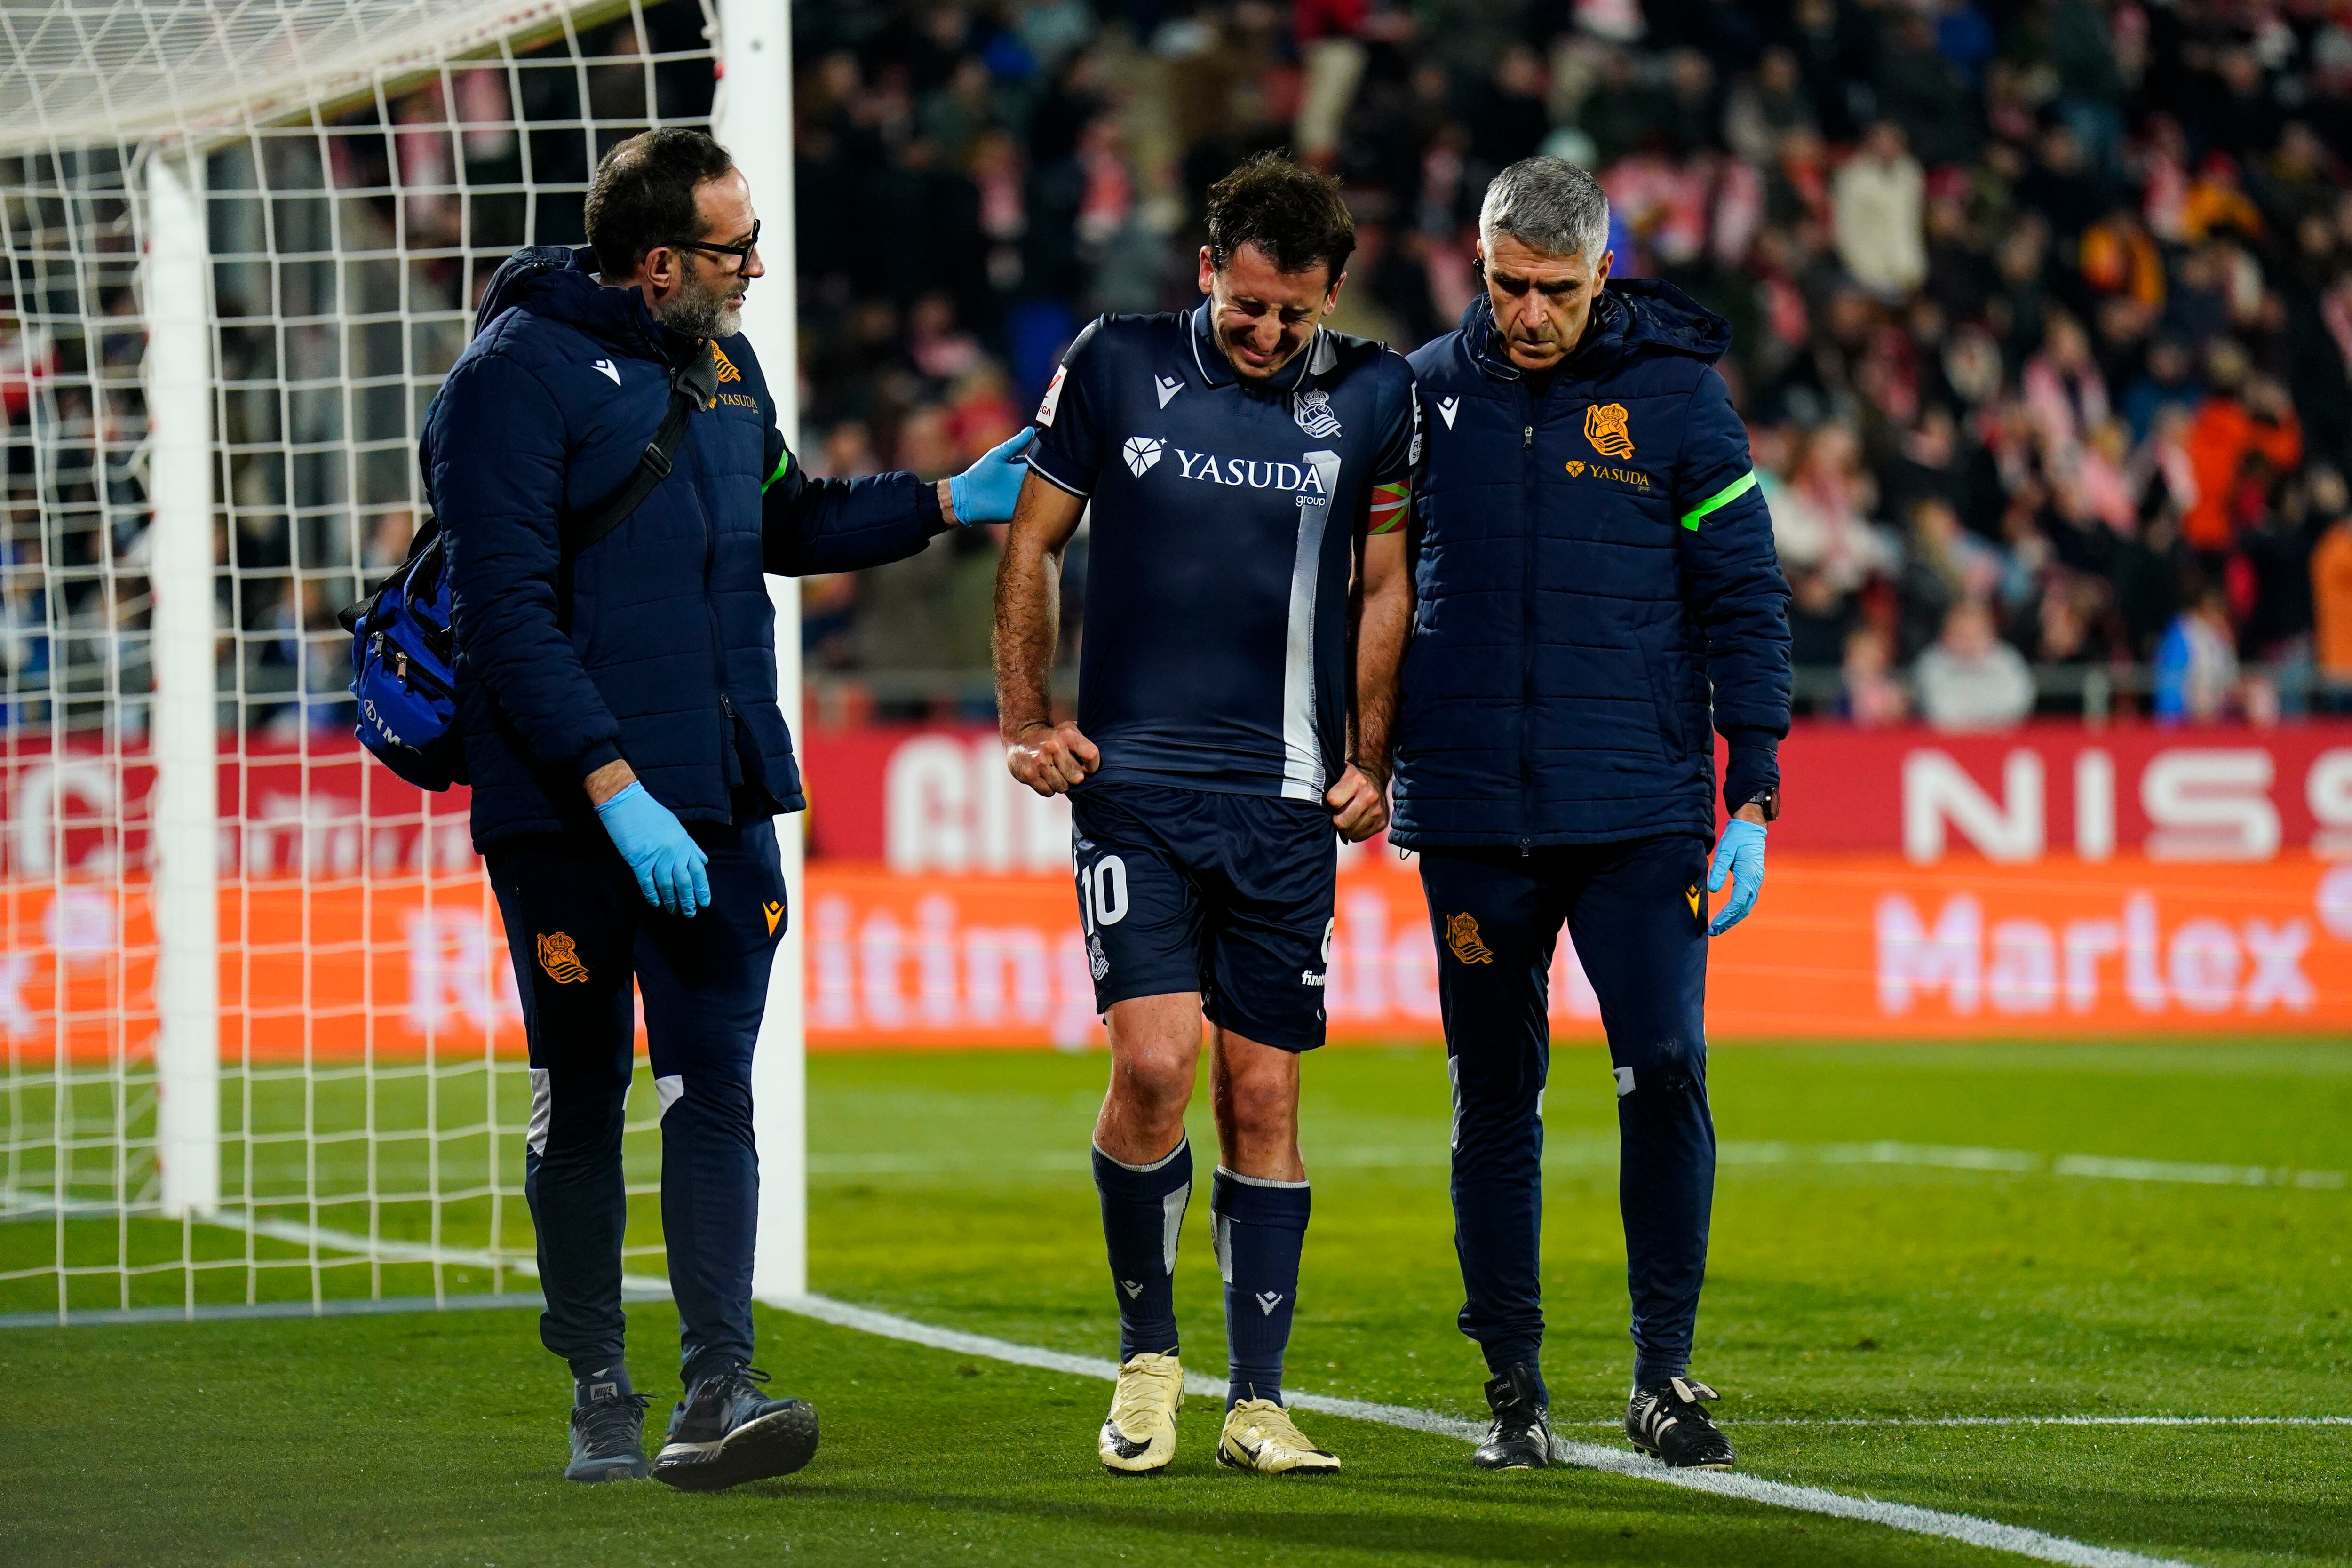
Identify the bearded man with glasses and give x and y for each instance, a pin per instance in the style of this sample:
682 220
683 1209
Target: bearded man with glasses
617 702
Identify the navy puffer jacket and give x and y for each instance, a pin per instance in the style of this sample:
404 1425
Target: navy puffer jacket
1588 560
669 657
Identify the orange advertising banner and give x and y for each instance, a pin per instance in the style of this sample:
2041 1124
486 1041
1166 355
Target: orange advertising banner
1841 945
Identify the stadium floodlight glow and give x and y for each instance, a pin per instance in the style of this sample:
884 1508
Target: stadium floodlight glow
260 1040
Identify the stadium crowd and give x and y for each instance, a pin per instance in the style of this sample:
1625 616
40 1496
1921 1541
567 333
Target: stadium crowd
2043 308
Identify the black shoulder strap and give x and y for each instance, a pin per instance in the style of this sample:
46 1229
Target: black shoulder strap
690 388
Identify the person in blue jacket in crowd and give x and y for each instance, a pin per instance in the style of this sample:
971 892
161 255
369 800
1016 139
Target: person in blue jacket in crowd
1594 580
622 736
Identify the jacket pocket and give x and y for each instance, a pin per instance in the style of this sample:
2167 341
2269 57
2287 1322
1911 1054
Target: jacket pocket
1665 694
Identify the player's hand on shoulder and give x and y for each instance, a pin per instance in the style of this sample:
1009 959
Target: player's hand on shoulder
1051 758
1359 803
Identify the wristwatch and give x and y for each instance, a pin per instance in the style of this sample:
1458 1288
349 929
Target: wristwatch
1768 802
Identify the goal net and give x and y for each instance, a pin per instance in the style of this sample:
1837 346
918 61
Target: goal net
260 1040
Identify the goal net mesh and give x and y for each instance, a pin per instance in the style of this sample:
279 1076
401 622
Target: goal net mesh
336 182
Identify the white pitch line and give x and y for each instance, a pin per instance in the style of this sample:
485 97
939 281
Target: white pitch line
1965 1527
2034 1421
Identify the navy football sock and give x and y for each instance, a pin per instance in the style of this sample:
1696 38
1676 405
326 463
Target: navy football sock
1143 1214
1260 1227
603 1381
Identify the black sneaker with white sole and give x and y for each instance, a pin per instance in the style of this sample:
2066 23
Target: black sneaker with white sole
1520 1437
726 1432
1669 1422
608 1439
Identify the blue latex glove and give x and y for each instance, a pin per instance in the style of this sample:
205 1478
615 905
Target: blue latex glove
985 491
668 864
1740 852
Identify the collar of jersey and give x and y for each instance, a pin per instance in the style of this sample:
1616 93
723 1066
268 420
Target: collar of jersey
1218 370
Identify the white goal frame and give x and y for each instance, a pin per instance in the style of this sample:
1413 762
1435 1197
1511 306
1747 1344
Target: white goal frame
163 81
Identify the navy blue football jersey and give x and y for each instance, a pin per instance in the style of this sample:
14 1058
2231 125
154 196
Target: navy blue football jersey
1225 515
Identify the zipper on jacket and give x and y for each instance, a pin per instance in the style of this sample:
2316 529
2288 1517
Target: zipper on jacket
1528 622
717 642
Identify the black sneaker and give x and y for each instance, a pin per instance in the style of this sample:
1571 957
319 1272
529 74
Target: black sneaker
1520 1439
726 1432
1669 1422
608 1439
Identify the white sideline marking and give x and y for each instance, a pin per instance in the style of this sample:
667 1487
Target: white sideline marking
1961 1527
381 1249
1596 1154
2036 1421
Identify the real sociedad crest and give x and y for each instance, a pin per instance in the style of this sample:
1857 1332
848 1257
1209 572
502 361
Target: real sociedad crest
1313 411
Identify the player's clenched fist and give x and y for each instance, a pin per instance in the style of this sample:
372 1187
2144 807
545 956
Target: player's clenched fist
1051 758
1359 804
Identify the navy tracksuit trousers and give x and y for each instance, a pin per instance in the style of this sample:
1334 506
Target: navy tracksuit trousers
579 932
1637 913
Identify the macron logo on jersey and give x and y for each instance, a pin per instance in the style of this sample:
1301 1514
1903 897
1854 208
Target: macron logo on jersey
1167 386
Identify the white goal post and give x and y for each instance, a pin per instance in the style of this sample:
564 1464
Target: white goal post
259 1044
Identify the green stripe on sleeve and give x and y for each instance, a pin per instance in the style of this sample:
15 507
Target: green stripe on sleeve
1720 498
785 466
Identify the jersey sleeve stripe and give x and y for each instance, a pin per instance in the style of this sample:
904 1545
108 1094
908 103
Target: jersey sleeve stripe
1047 474
1720 498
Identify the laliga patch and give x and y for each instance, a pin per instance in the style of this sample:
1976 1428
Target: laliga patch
1313 412
1053 399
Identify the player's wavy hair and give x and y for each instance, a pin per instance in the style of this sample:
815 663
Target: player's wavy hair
1285 209
642 196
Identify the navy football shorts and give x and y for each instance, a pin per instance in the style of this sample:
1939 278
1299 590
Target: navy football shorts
1229 895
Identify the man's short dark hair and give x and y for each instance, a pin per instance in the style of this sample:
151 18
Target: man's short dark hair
1285 209
642 196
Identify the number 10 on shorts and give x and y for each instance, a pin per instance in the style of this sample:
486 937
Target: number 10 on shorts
1102 892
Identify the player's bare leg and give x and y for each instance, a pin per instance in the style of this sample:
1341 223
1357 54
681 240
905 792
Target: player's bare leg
1143 1170
1259 1207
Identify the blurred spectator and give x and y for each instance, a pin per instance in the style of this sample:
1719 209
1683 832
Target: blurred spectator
2226 431
1878 198
2197 662
1872 695
1970 679
2331 590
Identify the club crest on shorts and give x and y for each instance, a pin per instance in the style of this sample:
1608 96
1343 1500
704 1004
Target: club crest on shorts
561 960
1097 961
1604 426
1312 409
1462 939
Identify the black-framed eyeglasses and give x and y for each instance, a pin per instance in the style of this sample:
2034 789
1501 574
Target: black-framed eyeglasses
741 253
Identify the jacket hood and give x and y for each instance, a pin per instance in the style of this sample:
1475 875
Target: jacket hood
615 316
1632 316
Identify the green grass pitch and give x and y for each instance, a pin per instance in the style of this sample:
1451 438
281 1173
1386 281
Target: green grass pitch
1870 1260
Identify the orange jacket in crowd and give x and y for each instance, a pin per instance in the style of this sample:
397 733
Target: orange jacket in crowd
2220 436
2331 603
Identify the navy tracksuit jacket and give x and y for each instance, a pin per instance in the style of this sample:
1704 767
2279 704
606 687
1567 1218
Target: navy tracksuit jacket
667 660
1596 589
